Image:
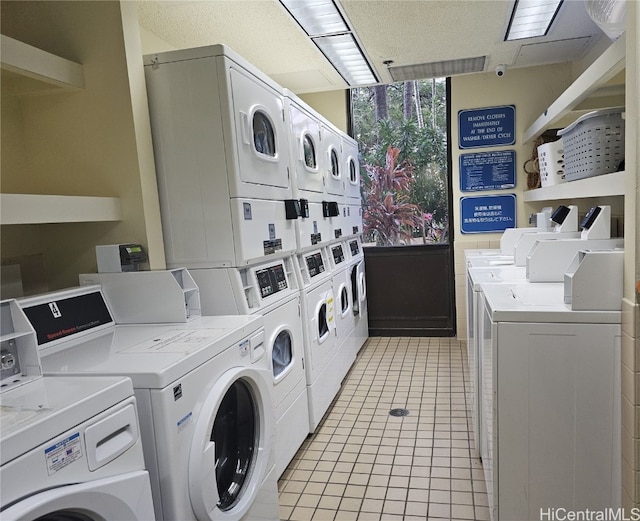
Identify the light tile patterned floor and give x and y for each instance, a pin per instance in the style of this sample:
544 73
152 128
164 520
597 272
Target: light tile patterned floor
363 464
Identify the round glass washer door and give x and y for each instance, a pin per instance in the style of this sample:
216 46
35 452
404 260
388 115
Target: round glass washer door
231 448
335 164
282 353
264 137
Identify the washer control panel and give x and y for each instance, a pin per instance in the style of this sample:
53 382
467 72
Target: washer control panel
271 280
315 264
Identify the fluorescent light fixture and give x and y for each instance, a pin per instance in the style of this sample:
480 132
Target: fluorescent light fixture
531 18
439 69
324 24
317 18
345 55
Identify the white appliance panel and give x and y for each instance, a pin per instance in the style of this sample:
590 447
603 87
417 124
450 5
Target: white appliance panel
351 168
333 162
309 176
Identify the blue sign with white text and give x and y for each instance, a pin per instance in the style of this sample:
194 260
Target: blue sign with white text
488 171
488 127
486 214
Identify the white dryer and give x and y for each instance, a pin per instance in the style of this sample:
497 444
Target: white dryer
71 446
550 402
358 285
319 330
318 215
339 257
203 393
351 169
269 289
222 158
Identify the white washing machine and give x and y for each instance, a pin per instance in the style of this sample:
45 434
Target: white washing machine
319 331
351 169
476 277
71 450
345 319
222 159
203 393
358 285
271 290
71 446
550 402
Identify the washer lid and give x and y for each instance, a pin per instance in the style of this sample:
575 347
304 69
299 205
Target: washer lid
153 356
38 411
538 302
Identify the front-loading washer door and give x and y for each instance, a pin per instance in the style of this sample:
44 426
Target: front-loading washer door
124 496
282 353
231 448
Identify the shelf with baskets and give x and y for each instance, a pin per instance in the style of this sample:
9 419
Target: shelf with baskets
591 89
598 186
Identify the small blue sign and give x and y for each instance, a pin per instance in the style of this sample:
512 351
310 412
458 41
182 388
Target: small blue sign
488 171
486 214
488 127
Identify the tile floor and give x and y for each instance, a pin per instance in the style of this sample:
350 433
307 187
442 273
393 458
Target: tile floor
364 464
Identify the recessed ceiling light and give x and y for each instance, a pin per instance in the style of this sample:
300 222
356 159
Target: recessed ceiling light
328 29
531 18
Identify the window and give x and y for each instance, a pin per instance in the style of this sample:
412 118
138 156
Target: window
401 130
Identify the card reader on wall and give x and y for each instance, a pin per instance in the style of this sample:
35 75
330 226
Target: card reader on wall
596 224
116 258
565 219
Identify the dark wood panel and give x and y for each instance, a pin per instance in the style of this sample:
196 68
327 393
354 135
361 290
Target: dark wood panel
410 291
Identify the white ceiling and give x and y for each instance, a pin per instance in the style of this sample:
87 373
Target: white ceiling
407 32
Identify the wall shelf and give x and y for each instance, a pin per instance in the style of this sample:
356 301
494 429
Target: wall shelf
25 63
591 83
42 209
598 186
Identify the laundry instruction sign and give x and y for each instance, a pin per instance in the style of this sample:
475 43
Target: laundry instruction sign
487 127
485 214
488 170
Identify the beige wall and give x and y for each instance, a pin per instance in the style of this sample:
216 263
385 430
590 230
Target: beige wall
332 105
530 90
631 309
78 143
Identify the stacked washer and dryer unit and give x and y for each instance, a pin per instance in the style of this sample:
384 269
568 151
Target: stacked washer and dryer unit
71 446
234 215
325 179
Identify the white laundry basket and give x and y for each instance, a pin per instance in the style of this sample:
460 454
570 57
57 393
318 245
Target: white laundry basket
593 144
551 163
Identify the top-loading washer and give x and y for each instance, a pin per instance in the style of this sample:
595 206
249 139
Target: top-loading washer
319 331
269 289
71 446
476 277
551 402
222 158
203 394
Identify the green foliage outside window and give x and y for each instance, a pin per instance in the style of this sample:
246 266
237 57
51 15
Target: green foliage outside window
386 122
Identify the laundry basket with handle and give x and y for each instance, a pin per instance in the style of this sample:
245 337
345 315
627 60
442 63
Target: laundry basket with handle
594 144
